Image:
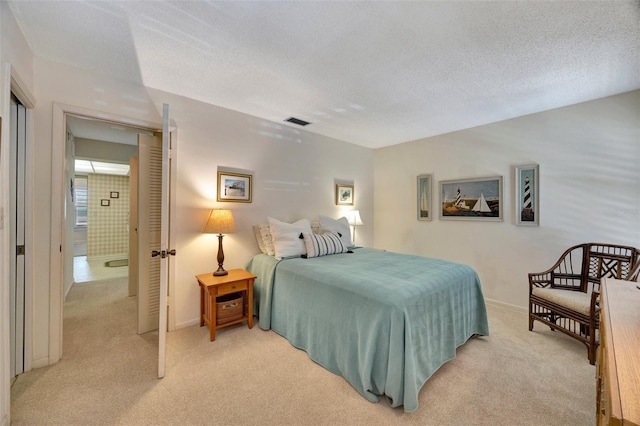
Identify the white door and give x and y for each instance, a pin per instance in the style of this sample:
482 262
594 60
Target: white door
168 144
149 231
153 233
17 149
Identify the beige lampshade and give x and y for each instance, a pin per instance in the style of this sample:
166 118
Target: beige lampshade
220 222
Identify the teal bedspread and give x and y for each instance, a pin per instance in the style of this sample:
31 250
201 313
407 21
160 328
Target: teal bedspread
384 321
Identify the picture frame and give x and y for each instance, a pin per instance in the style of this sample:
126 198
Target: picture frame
234 187
423 201
105 203
478 199
344 194
114 194
527 195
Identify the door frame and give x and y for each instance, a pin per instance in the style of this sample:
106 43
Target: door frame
58 188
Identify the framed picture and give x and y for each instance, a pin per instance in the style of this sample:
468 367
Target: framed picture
234 187
471 199
344 195
105 203
527 191
114 194
424 197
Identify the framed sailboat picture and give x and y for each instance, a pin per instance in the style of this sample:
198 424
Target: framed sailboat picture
527 208
471 199
424 197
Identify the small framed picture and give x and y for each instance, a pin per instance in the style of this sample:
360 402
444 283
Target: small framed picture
344 195
234 187
105 203
424 197
527 191
114 194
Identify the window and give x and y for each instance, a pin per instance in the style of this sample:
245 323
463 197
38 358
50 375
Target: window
81 200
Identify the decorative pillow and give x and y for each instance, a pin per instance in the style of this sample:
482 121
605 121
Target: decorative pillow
315 227
323 244
340 227
260 241
286 237
267 239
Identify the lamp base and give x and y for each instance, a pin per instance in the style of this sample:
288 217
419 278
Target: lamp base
220 273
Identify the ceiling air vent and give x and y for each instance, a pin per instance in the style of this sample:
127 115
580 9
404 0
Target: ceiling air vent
297 121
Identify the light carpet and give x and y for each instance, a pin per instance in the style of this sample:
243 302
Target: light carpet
254 377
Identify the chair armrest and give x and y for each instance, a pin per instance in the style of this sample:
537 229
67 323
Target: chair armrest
539 279
567 273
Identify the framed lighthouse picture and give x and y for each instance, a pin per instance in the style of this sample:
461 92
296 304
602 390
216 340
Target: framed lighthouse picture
471 199
527 191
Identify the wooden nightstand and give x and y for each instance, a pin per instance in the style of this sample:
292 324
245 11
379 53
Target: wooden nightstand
211 287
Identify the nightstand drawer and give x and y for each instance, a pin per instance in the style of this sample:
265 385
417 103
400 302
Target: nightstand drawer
232 287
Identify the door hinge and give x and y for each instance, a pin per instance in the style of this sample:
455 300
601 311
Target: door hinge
20 251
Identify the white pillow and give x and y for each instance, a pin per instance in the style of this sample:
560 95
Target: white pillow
340 226
323 244
286 237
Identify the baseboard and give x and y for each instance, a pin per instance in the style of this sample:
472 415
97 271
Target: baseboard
186 324
519 309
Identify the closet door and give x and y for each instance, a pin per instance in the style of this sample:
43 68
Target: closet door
17 202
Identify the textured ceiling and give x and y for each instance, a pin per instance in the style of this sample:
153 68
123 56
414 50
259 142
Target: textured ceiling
370 73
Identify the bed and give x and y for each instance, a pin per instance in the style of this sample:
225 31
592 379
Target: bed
384 321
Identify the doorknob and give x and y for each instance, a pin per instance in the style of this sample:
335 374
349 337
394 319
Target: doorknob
163 253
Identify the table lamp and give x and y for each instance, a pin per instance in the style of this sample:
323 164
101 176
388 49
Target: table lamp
220 222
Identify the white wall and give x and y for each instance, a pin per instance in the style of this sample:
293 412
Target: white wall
589 157
91 149
5 320
15 54
294 174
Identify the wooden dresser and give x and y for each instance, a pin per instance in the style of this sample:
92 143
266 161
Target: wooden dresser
618 367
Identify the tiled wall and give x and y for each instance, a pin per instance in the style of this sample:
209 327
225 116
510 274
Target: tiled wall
108 226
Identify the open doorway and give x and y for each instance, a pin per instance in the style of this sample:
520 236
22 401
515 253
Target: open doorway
99 200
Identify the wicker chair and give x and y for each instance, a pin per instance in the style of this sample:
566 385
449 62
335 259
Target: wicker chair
566 296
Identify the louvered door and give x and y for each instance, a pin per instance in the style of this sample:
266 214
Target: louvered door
149 230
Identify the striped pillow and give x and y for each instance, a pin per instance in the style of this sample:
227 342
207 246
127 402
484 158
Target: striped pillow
323 244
